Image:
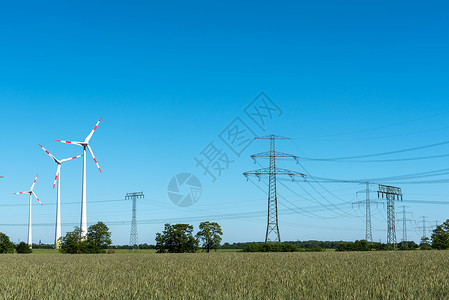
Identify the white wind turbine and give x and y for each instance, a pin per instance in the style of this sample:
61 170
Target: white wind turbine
58 194
85 145
29 219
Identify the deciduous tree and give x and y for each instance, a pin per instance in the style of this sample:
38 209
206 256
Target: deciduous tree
98 238
440 236
177 238
23 248
6 246
210 234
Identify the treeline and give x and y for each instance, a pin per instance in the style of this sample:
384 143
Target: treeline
363 245
298 244
275 247
140 246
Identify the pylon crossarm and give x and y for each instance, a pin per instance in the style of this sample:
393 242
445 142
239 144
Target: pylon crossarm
276 153
272 136
275 171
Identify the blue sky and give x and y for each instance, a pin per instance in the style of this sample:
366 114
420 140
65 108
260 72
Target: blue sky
351 78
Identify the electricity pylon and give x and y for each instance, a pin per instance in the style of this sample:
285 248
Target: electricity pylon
424 229
436 224
272 171
367 203
391 193
404 224
133 239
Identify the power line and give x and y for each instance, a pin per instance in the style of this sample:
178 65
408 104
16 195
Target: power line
377 154
381 127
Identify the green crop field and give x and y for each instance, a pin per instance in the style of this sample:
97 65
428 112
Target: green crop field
227 275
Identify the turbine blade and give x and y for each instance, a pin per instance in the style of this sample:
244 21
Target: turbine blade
46 151
93 156
92 132
20 193
69 142
37 198
70 158
34 183
57 174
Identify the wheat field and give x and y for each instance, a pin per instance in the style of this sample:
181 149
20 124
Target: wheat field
227 275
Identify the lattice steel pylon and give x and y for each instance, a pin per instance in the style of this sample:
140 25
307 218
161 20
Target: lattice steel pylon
133 238
404 224
367 203
272 171
391 193
369 232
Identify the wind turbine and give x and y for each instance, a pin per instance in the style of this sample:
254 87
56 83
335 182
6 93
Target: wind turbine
29 219
85 145
58 194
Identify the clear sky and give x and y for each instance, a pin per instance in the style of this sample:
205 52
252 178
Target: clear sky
348 78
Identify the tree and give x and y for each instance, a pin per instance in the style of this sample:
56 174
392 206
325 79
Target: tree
72 243
98 238
23 248
176 238
6 246
440 236
210 233
425 245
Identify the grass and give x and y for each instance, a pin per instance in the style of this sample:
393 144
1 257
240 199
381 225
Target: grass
227 275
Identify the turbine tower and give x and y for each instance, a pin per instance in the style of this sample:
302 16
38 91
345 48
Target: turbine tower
85 145
29 218
58 194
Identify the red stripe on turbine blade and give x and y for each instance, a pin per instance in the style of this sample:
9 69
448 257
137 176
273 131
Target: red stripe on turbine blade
100 170
95 160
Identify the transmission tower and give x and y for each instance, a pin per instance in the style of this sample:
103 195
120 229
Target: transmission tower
367 203
404 224
424 229
272 171
391 193
133 239
436 224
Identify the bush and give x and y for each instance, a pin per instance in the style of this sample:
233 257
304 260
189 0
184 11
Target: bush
314 249
354 246
269 247
23 248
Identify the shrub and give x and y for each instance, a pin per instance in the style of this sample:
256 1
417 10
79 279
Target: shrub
23 248
270 247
